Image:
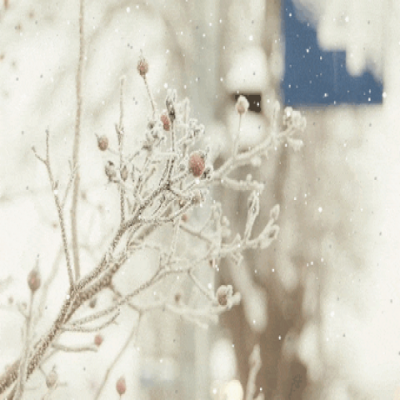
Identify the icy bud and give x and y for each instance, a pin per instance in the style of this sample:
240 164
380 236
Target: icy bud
267 236
274 213
294 119
143 66
34 279
121 386
110 171
197 197
52 379
124 173
224 294
197 163
102 142
170 103
166 122
98 340
242 105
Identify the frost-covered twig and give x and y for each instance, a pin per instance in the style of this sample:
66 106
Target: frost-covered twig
75 349
168 179
123 170
25 354
80 328
77 140
54 189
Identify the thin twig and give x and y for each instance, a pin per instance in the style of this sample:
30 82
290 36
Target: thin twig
121 134
134 331
67 189
152 102
70 349
54 189
237 138
78 328
47 284
77 139
25 354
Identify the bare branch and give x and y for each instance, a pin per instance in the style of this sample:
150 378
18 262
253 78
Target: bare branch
54 189
77 139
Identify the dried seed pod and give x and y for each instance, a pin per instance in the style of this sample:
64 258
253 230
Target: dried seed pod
143 66
121 386
34 279
102 142
197 163
170 103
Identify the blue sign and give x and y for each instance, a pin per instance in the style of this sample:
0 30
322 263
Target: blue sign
315 77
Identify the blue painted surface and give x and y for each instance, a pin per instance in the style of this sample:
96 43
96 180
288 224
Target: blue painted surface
317 77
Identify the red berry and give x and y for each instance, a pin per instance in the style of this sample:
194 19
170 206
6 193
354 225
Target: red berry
166 122
197 164
98 340
34 280
121 386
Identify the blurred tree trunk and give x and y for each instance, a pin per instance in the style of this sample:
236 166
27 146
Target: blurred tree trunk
280 377
203 95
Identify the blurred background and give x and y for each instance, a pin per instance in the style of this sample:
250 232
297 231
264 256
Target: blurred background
323 300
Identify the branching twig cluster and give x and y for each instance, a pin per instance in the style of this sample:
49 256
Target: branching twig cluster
159 185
